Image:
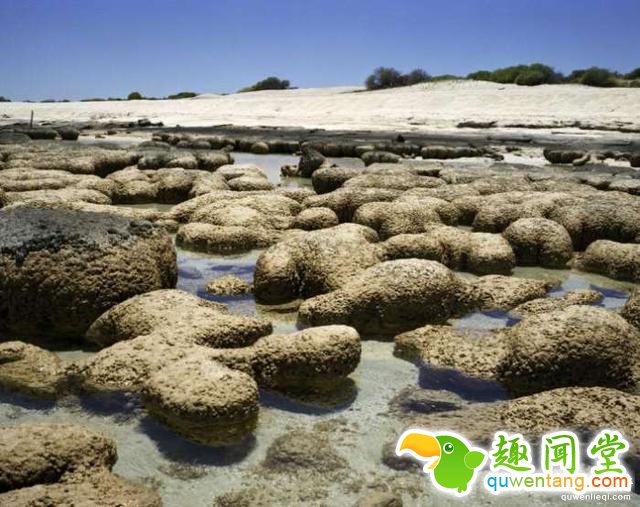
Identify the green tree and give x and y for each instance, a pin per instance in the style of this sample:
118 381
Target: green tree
134 96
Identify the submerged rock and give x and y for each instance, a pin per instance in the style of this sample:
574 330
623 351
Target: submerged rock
61 269
301 451
549 304
472 353
229 285
505 292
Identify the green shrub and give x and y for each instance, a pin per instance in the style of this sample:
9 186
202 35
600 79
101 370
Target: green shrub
183 95
528 75
4 99
134 96
270 83
416 76
384 77
480 75
635 83
388 77
634 74
596 76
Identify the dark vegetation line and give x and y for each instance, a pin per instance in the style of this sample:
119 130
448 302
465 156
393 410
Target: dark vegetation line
387 77
526 75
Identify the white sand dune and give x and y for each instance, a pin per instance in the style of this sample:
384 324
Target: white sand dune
421 107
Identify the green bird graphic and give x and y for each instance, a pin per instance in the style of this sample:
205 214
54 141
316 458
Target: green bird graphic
449 458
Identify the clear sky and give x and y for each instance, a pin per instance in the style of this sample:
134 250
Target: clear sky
98 48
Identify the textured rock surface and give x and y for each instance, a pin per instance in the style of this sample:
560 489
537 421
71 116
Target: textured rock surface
301 450
46 453
389 297
192 319
312 263
539 242
576 346
103 488
549 304
312 219
505 292
228 285
203 400
615 260
29 369
229 239
631 309
61 269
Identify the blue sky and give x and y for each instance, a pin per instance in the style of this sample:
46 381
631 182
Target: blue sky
90 48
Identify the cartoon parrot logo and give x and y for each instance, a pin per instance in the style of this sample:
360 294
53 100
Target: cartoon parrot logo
447 456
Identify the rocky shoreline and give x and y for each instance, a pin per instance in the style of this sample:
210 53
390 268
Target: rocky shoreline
392 248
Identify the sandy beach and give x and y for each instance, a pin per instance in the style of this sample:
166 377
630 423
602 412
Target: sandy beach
423 107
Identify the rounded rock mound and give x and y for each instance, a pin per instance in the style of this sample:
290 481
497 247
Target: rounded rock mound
203 400
539 242
576 346
61 269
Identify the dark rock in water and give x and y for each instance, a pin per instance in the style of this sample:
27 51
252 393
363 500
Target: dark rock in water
635 160
301 451
424 401
562 156
310 160
10 137
380 499
68 133
259 148
41 133
372 157
473 124
61 269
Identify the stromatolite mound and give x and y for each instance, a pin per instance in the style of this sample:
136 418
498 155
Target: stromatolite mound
189 317
30 369
46 453
615 260
61 464
203 400
539 242
390 297
102 488
61 269
575 346
312 219
306 264
631 309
